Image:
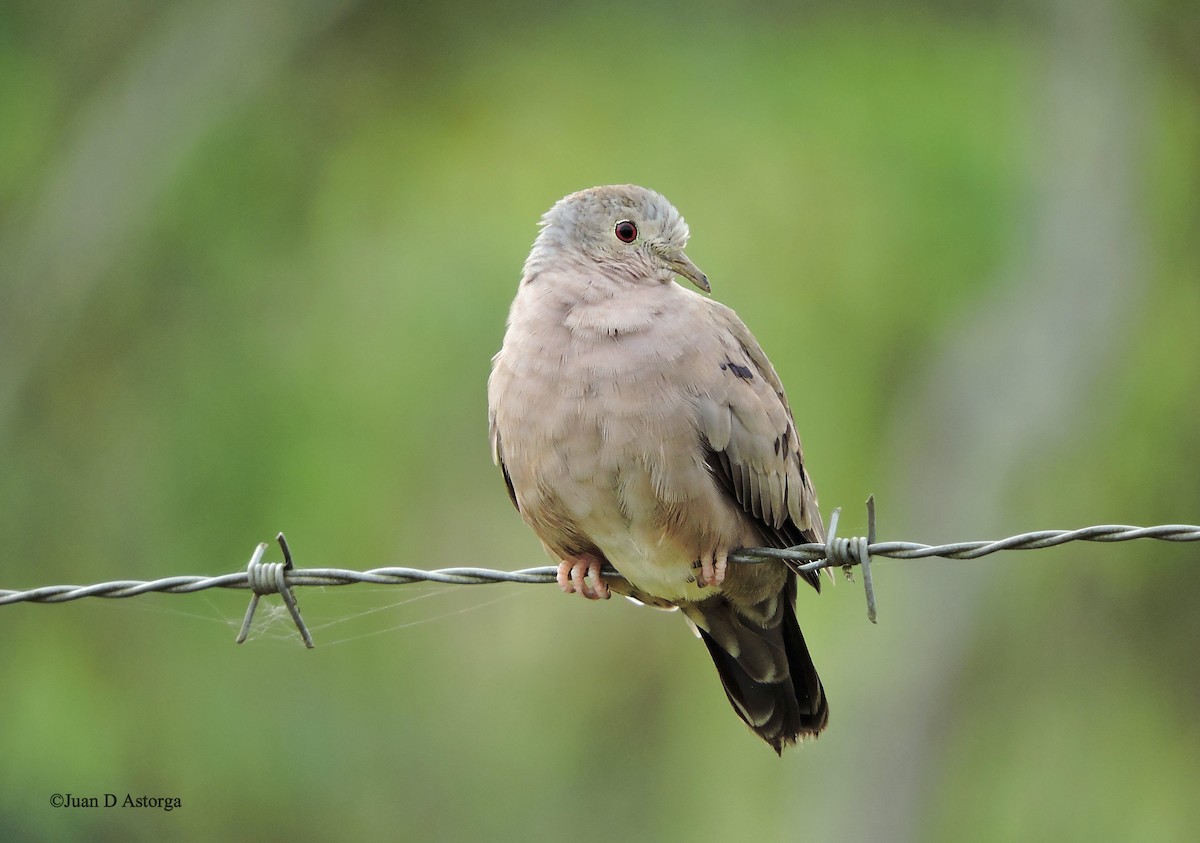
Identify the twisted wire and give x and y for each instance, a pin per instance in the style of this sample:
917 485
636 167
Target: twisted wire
280 577
810 557
813 556
295 577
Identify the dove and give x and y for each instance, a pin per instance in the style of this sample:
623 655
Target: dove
638 424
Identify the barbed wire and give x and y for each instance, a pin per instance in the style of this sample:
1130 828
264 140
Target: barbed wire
846 553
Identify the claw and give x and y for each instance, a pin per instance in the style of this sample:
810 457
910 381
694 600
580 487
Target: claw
582 574
712 569
721 566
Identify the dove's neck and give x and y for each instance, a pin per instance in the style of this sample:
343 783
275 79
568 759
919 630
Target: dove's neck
589 302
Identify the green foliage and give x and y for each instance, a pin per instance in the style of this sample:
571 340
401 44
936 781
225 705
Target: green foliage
290 326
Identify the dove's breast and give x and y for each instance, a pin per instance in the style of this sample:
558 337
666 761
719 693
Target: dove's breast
600 439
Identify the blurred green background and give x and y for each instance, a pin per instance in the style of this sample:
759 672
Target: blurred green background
254 260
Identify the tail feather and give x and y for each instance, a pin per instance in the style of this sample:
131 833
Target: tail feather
766 669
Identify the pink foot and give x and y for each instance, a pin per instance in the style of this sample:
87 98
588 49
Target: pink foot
582 574
712 569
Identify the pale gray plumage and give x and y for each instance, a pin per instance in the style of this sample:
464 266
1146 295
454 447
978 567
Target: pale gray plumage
640 423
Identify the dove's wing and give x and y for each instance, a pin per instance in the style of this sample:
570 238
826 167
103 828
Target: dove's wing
752 447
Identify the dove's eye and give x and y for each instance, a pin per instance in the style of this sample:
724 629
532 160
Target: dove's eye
626 231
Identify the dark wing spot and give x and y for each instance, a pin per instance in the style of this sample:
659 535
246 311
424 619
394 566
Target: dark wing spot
738 370
777 444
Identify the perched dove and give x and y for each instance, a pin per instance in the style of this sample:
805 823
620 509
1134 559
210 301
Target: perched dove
640 424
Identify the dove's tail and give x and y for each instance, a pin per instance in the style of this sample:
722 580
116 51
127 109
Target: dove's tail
765 667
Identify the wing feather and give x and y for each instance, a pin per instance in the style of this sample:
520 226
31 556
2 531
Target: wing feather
752 448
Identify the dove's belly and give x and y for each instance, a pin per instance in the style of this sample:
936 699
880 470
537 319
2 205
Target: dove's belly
619 467
652 562
633 527
602 443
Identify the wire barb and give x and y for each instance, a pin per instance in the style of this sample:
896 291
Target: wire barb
271 578
864 559
266 578
846 553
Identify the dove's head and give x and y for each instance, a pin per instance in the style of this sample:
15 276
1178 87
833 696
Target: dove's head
628 231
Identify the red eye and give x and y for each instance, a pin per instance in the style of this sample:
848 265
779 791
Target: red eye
626 231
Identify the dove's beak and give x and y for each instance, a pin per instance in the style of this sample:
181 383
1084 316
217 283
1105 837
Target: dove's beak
682 265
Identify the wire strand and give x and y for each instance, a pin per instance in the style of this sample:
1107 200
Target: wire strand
266 578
